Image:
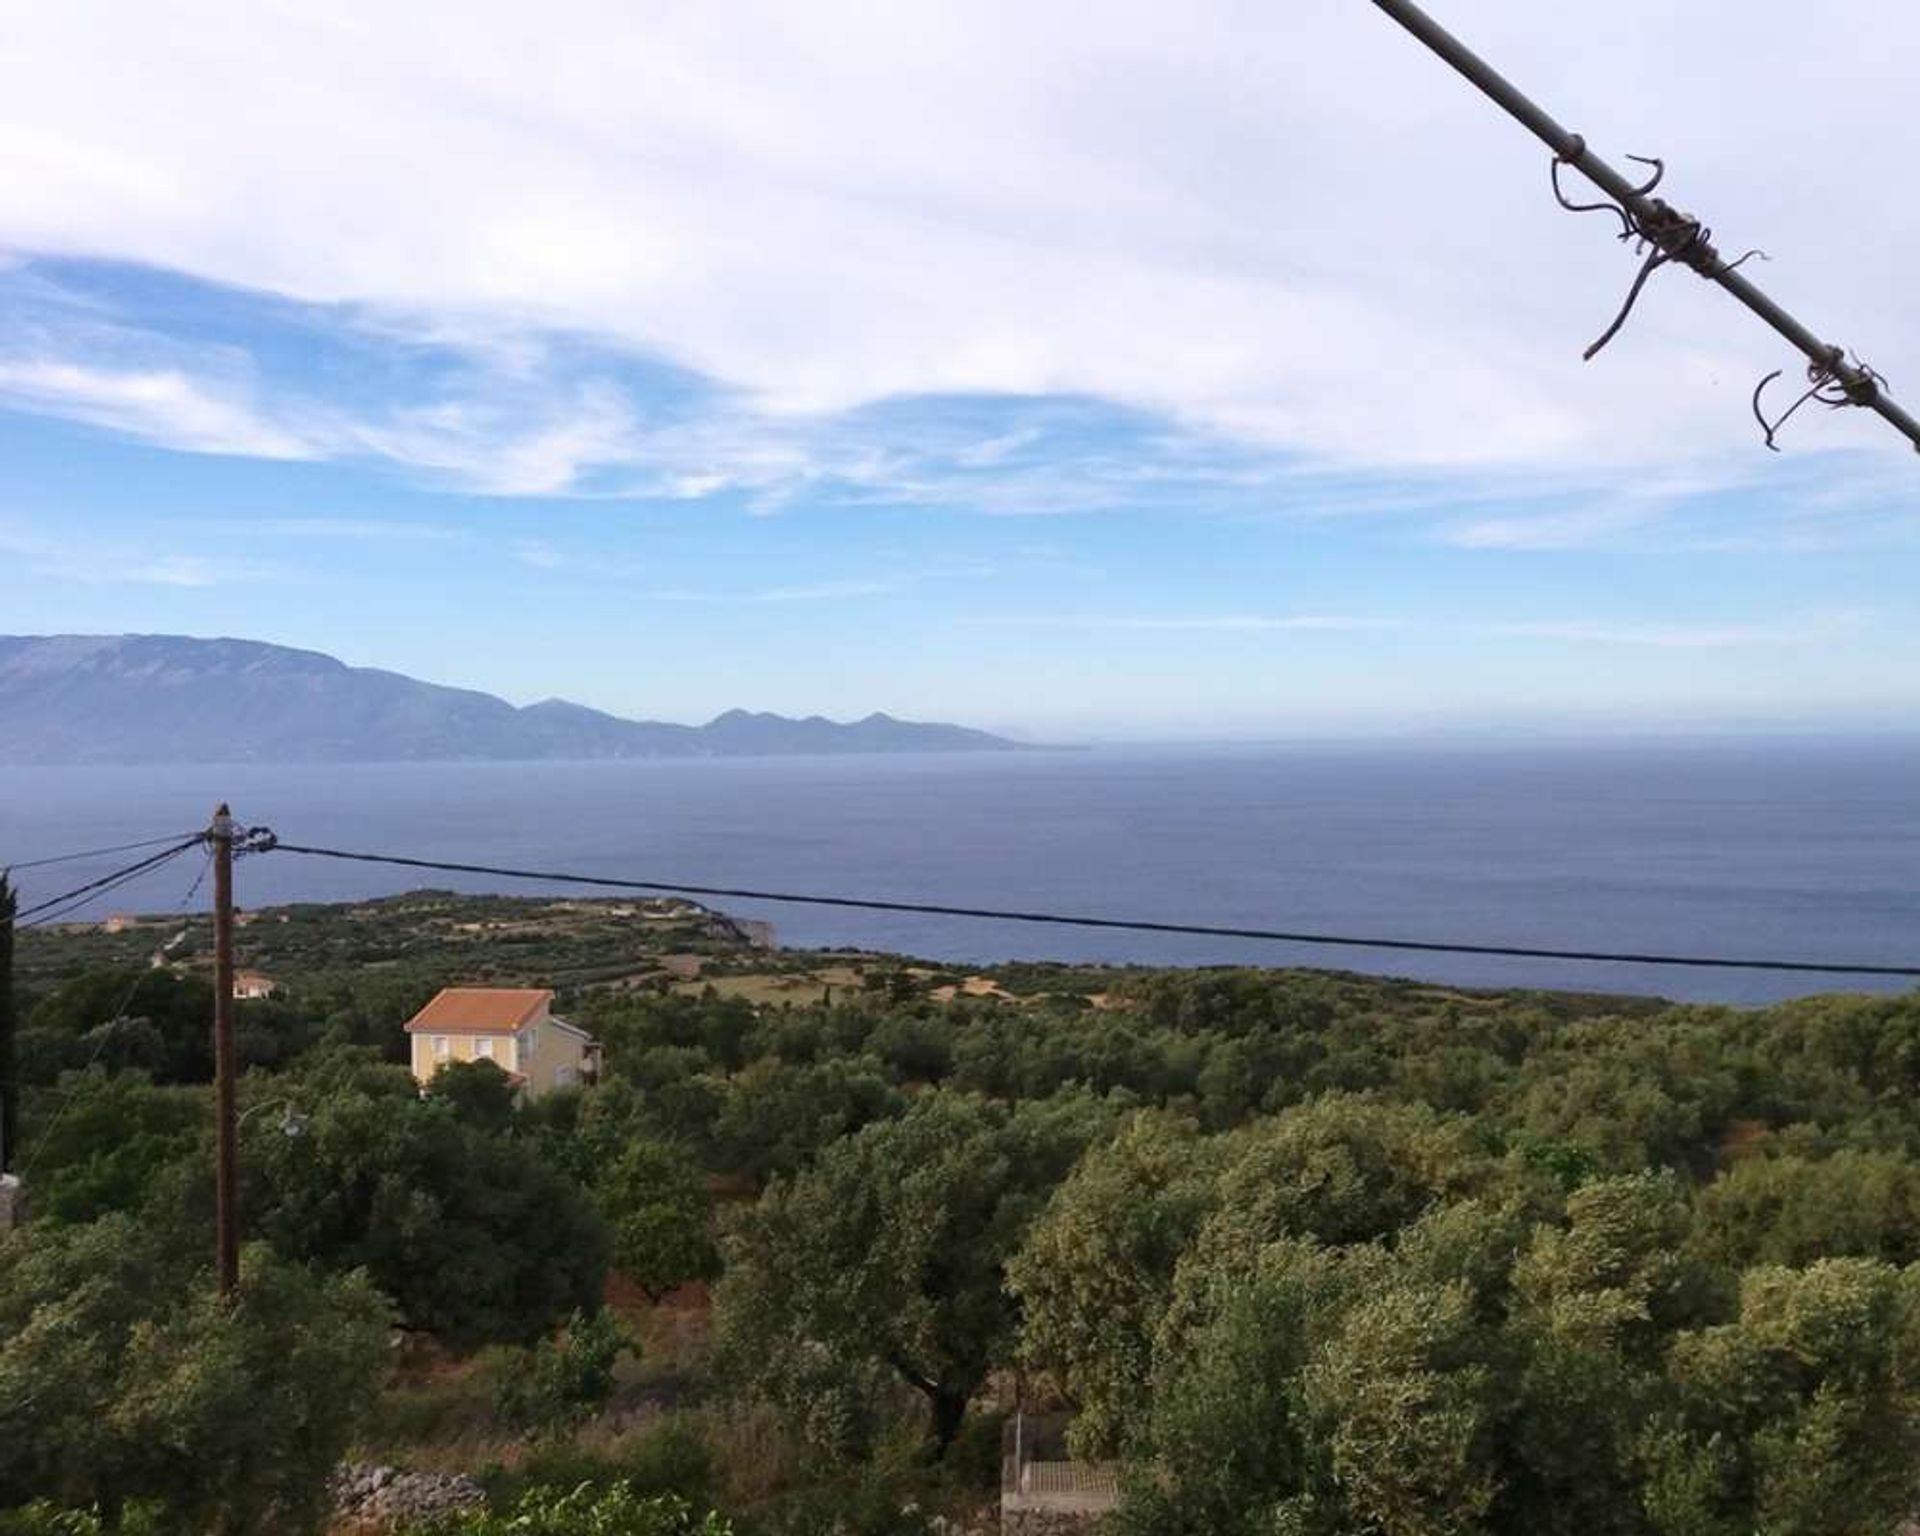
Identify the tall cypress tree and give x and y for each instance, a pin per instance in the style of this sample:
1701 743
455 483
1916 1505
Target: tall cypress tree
9 1081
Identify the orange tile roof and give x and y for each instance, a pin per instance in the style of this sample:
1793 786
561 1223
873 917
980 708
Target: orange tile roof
479 1010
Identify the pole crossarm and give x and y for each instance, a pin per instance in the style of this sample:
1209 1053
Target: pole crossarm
1835 377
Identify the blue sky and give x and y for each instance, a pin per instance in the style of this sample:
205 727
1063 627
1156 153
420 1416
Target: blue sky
806 361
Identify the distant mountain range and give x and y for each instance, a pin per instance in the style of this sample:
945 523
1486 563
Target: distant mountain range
170 699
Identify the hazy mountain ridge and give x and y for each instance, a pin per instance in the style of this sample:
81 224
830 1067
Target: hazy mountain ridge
170 698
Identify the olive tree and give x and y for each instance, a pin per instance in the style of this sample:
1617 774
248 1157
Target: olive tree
124 1377
885 1260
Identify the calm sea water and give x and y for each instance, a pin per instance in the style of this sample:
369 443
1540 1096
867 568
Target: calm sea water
1735 847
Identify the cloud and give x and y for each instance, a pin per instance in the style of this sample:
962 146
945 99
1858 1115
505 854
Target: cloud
532 443
1812 629
1221 623
539 554
557 418
814 592
96 563
1808 629
484 432
166 407
1577 528
823 207
354 529
825 591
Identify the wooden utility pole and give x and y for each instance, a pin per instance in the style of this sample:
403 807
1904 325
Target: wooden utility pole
9 1080
226 1146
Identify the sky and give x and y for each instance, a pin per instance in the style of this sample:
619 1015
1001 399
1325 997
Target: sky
1211 371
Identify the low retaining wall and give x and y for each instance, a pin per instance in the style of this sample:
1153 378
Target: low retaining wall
374 1498
1048 1522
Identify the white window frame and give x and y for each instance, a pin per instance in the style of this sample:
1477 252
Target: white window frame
483 1048
442 1048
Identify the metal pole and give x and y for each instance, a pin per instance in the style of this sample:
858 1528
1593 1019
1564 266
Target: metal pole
1572 149
226 1154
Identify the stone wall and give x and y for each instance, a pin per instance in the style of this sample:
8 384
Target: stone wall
1048 1522
373 1498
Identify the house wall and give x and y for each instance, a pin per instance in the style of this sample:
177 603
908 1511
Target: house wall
557 1058
459 1048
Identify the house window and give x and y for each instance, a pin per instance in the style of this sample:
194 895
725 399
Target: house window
484 1047
440 1048
565 1077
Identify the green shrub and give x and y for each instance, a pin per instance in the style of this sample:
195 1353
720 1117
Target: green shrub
670 1456
564 1381
41 1518
583 1511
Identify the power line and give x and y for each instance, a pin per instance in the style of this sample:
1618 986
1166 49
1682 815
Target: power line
1665 235
55 907
1129 925
98 853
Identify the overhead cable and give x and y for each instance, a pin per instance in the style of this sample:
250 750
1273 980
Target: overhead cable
1074 920
68 901
1664 235
97 853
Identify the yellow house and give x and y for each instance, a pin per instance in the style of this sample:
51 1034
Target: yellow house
514 1028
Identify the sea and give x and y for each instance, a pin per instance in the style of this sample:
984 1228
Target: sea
1767 848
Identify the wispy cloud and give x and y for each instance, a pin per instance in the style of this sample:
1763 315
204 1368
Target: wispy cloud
826 591
813 592
1248 623
1580 528
554 415
505 439
1807 629
166 407
97 563
539 554
355 529
1810 629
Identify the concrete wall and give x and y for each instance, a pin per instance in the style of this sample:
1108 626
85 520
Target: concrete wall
12 1202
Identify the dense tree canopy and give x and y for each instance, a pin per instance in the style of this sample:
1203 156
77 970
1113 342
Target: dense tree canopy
886 1256
1309 1255
1094 1273
123 1377
472 1237
116 1137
